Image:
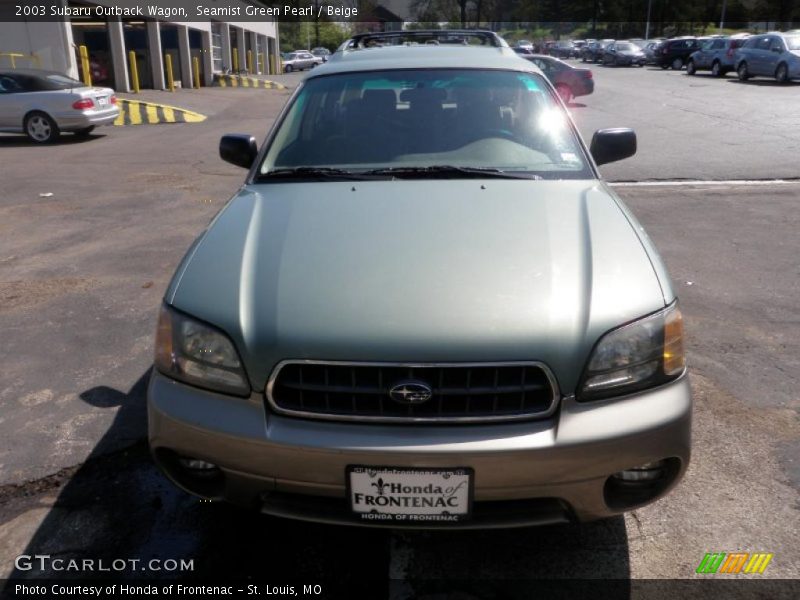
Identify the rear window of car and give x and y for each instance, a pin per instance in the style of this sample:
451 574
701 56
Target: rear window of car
59 82
625 47
413 118
793 43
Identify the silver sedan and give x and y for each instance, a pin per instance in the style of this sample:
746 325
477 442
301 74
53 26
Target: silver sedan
43 104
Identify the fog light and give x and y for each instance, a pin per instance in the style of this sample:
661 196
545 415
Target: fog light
647 472
198 467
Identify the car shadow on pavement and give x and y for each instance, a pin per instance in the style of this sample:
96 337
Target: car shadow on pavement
117 506
766 83
21 141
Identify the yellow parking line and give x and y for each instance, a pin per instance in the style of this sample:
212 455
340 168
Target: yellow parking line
169 114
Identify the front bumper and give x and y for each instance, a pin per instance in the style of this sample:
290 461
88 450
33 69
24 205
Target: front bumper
534 472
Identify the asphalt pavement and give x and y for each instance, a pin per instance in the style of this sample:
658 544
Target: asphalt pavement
91 231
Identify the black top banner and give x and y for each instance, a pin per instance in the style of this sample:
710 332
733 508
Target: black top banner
395 14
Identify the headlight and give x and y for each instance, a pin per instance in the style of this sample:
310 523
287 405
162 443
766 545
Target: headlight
642 354
198 354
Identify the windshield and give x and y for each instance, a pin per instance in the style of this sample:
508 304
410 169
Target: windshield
415 119
626 47
793 42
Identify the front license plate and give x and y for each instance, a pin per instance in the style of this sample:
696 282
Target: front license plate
410 496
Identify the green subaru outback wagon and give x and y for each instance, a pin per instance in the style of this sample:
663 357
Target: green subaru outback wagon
423 308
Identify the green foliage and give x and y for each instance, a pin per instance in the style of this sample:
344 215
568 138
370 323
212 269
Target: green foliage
306 35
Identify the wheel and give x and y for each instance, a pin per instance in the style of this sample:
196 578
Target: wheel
41 128
288 69
665 67
677 64
741 71
565 92
84 132
716 69
782 73
690 68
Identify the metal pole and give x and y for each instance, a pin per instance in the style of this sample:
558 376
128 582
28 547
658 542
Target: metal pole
647 28
235 60
196 73
722 16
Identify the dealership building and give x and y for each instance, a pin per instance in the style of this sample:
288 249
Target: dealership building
219 46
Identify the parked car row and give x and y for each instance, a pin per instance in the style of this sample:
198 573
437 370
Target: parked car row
775 55
768 55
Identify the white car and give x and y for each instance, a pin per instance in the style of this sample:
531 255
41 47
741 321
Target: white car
300 60
44 104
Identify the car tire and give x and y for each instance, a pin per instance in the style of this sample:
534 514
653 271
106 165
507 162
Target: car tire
287 69
41 128
782 73
690 68
665 67
565 93
741 71
716 69
82 133
677 64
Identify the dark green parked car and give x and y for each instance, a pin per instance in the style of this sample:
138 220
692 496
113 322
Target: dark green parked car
423 308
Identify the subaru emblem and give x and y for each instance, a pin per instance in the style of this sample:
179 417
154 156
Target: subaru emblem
411 392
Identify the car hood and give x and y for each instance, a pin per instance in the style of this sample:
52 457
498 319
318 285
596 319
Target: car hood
436 270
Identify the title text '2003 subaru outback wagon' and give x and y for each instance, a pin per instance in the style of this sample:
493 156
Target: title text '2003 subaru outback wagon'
423 308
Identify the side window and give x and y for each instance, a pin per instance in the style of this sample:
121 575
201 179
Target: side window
718 45
8 85
763 44
777 44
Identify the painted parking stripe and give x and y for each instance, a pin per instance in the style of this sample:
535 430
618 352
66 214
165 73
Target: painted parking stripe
701 182
244 81
136 112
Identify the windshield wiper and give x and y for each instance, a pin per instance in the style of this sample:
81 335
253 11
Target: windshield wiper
311 173
443 171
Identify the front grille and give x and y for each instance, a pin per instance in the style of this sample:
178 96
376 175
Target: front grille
458 392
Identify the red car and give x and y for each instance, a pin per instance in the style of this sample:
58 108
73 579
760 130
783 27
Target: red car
569 81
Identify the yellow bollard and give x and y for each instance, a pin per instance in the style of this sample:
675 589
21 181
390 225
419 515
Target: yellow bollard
235 60
85 67
250 62
134 71
262 64
272 64
170 78
196 73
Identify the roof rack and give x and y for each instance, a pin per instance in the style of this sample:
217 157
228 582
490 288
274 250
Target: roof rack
422 36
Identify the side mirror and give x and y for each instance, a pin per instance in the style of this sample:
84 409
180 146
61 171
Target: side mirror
610 145
238 149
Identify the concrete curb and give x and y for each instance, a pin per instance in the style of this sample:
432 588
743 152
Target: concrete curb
137 112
